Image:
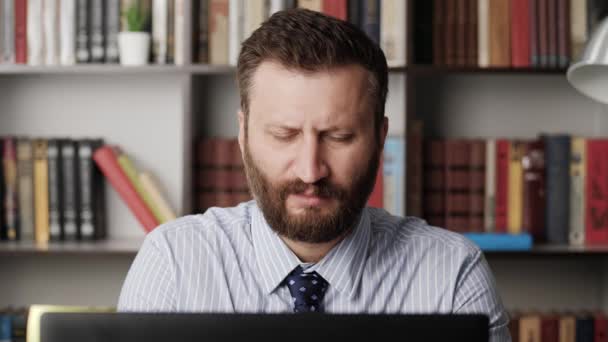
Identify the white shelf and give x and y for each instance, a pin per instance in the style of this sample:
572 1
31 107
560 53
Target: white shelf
128 246
88 69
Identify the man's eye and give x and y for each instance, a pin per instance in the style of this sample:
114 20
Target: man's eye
284 136
341 137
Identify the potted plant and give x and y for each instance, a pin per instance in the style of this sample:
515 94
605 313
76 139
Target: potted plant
134 44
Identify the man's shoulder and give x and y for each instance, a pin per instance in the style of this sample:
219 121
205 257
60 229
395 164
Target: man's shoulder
406 232
215 221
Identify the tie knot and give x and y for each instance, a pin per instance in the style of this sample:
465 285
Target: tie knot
307 290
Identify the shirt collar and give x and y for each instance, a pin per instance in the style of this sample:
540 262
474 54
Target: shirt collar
342 267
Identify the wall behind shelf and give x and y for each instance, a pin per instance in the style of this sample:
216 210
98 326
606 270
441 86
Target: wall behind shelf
142 113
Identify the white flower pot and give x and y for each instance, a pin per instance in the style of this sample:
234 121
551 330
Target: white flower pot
134 48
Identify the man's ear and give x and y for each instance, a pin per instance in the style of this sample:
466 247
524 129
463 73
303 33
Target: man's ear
242 119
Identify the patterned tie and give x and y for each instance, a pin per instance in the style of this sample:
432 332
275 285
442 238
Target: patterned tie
307 290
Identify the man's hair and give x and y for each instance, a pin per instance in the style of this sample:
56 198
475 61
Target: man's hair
301 39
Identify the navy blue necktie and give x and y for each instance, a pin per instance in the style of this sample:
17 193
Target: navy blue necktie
307 290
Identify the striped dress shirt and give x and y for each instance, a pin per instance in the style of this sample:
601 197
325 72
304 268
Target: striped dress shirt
230 260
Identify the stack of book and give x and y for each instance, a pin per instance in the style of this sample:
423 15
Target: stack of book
13 324
139 190
558 326
224 24
503 33
554 187
50 189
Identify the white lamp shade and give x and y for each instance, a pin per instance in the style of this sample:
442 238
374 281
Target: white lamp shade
590 74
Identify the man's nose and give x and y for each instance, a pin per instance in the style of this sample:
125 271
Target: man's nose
310 165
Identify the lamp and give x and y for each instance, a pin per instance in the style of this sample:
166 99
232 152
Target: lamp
590 74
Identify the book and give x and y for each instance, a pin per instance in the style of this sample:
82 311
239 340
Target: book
69 182
543 33
483 39
171 31
67 32
91 192
552 33
557 152
471 24
457 184
41 190
313 5
460 52
55 190
500 33
254 13
529 328
112 28
477 177
96 34
130 170
600 327
515 188
567 328
596 192
394 175
449 32
8 31
501 241
236 29
414 177
35 33
563 33
50 26
578 27
438 19
106 159
370 19
503 157
584 328
393 21
159 30
534 30
151 187
578 171
11 205
549 328
490 188
339 9
25 180
434 182
533 164
218 32
180 39
21 32
83 54
520 33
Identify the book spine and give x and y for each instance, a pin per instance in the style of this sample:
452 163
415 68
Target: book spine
41 190
534 31
483 28
503 157
338 8
394 23
472 24
218 31
515 190
578 27
596 193
202 33
25 174
67 35
520 33
159 30
51 31
54 179
10 200
97 31
8 31
98 201
21 32
457 185
354 13
434 182
563 33
35 34
461 46
313 5
543 33
107 162
180 38
129 169
534 200
477 185
171 32
500 33
254 14
236 30
83 54
439 21
112 28
371 19
414 169
276 6
69 166
490 187
449 32
558 188
552 32
151 187
577 191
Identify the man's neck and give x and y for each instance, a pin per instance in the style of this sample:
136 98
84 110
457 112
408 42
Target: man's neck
312 252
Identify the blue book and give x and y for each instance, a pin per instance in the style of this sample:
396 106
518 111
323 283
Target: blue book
394 175
6 332
501 242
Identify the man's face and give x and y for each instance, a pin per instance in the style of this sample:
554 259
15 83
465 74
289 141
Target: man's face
311 151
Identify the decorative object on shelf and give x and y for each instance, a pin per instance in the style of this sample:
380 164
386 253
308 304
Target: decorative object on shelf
590 74
134 44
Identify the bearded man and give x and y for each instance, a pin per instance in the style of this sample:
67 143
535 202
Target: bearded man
311 132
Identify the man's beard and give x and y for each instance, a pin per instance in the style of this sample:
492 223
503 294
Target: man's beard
314 225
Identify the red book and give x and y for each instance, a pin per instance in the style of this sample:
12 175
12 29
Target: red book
21 32
549 328
336 8
376 198
534 188
600 328
439 22
502 184
105 158
596 192
543 33
520 33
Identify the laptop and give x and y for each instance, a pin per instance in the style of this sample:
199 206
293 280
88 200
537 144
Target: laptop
151 327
